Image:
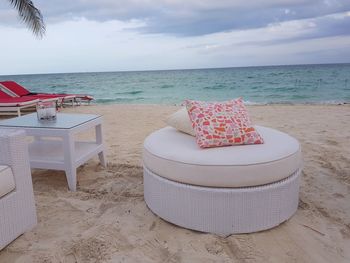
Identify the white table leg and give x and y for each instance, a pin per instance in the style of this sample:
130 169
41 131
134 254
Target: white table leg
102 158
99 140
71 175
69 155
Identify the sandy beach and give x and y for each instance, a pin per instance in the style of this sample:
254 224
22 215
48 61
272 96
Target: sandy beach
107 220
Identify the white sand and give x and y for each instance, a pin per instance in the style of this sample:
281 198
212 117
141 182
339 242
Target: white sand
106 220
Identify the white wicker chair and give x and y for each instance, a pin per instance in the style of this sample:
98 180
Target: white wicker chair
17 208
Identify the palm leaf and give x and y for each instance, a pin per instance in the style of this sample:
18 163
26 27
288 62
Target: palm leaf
30 15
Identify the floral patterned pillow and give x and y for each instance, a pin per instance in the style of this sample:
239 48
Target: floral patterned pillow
221 123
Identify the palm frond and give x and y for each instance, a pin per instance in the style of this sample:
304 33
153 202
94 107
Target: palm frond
30 15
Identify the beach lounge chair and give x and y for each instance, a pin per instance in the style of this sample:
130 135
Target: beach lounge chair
224 190
14 105
17 90
17 205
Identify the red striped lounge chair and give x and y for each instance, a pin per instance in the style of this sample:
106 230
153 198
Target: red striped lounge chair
10 105
16 90
21 91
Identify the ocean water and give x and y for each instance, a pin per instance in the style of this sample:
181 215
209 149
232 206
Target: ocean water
298 84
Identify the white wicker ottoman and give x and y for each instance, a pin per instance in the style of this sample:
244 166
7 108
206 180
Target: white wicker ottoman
226 190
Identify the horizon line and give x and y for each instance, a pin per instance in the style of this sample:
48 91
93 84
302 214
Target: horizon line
178 69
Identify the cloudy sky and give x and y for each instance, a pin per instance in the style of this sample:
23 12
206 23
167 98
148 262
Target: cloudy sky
115 35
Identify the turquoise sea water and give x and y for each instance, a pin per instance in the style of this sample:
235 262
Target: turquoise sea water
257 85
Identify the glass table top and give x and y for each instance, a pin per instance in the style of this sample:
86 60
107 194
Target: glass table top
63 121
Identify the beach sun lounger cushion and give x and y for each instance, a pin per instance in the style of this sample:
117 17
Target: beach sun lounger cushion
15 89
7 182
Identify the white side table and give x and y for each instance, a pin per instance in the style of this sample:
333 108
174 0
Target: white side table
54 146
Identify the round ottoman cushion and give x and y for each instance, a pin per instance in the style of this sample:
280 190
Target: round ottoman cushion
176 156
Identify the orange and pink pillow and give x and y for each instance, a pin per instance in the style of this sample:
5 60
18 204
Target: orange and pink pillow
221 123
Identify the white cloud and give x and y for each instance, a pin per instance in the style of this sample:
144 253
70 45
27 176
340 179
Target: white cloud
82 45
185 17
84 35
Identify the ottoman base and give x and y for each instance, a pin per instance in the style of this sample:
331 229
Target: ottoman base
222 211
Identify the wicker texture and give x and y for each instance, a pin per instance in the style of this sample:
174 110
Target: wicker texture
222 211
17 208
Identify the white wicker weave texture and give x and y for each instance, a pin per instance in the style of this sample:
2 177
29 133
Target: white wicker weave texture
222 211
17 208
